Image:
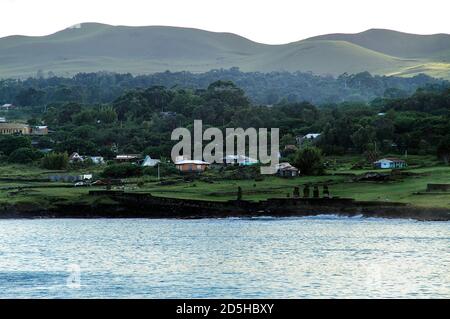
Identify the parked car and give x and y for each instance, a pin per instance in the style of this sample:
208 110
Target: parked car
79 184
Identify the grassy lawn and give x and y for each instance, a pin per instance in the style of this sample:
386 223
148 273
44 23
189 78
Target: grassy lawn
340 184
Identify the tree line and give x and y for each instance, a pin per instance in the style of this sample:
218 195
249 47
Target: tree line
261 88
141 121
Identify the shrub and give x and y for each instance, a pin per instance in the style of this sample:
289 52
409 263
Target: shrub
10 143
165 169
309 160
57 161
122 170
23 155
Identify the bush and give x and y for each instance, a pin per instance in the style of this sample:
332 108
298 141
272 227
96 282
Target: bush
309 161
57 161
10 143
82 164
165 169
122 170
23 155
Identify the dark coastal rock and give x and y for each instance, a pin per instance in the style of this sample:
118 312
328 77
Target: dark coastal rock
119 204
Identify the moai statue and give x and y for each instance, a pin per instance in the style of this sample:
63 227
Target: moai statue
316 193
326 192
239 193
296 192
306 191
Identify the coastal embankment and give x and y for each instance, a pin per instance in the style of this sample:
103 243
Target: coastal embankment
120 204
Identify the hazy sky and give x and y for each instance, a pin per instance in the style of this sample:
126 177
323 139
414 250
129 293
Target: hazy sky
268 21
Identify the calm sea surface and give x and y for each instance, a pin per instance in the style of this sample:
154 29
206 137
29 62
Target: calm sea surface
313 257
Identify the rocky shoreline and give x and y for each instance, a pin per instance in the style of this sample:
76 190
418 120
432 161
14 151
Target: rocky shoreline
139 205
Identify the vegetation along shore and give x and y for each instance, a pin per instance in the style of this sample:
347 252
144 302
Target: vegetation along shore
66 154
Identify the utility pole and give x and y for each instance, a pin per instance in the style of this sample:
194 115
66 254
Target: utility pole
159 176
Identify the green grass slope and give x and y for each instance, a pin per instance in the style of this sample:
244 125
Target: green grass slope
326 57
92 47
395 43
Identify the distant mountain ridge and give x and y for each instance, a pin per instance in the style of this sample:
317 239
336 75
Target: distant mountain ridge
395 43
92 47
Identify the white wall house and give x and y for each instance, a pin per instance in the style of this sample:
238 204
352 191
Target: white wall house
240 160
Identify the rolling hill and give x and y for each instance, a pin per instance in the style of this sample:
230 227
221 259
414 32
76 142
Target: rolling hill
91 47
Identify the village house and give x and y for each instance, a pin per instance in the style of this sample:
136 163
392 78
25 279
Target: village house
287 170
390 163
39 130
240 160
7 106
97 160
77 158
311 137
127 158
14 128
191 166
21 128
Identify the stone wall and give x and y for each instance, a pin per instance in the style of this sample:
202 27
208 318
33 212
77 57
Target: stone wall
438 188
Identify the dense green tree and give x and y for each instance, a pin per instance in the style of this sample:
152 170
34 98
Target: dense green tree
10 143
23 155
364 136
122 170
58 161
309 160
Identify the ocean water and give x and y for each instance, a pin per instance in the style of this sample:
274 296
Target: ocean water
312 257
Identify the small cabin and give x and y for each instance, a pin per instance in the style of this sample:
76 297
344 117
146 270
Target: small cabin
7 106
97 160
287 170
191 166
240 160
39 130
127 158
76 158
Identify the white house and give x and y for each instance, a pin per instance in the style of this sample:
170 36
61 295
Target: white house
97 160
8 106
240 160
127 157
75 157
150 162
389 163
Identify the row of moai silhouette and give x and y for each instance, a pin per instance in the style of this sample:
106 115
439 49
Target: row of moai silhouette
316 192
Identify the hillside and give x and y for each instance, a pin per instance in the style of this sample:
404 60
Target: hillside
91 47
395 43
